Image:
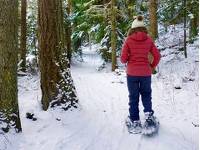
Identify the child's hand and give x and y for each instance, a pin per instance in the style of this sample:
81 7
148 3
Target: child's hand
153 70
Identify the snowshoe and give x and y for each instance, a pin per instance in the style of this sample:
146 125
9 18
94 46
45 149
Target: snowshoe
134 127
151 125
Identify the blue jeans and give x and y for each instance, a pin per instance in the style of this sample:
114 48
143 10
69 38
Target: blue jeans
139 85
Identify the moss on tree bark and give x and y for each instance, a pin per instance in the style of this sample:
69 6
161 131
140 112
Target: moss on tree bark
56 82
9 112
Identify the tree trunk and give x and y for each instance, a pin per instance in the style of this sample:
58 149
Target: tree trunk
194 27
23 35
68 31
194 21
153 29
9 111
185 44
113 34
56 82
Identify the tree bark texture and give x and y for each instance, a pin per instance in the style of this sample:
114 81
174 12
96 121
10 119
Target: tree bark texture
185 35
153 28
68 30
113 34
56 82
9 111
23 35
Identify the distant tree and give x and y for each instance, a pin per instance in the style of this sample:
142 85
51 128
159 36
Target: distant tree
9 111
92 20
153 28
23 50
193 9
113 34
185 36
181 11
56 81
32 27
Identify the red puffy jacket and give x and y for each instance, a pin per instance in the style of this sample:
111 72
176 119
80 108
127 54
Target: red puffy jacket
135 53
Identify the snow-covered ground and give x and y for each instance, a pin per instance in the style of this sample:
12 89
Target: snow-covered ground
99 122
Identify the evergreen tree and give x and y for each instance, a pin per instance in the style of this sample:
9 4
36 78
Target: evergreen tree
153 28
185 36
32 27
56 81
9 111
23 35
113 34
193 9
68 29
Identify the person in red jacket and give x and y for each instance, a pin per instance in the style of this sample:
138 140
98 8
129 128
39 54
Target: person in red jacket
135 53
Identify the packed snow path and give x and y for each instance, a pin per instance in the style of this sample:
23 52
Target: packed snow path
99 123
104 100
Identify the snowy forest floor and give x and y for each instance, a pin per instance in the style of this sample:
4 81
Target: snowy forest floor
99 122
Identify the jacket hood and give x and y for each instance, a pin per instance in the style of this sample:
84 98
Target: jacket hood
139 36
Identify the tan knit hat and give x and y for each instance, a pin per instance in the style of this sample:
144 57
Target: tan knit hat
138 22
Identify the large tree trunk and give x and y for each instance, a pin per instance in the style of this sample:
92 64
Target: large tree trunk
9 111
56 82
113 34
153 29
23 35
68 31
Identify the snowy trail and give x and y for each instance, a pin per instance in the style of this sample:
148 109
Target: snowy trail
99 123
104 101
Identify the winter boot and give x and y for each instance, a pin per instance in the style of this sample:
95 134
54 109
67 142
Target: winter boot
134 127
151 124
